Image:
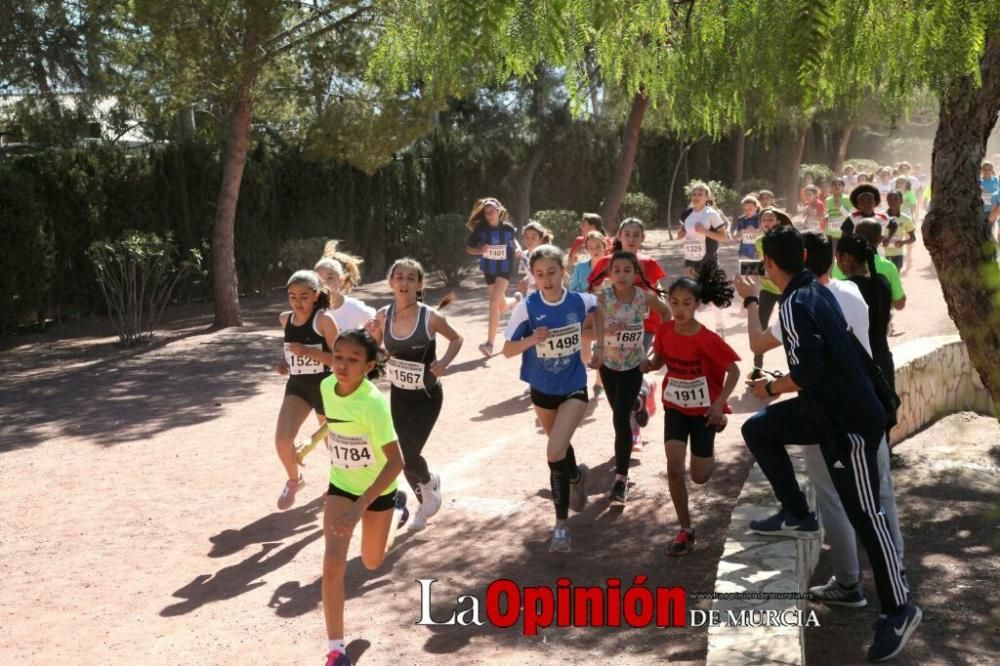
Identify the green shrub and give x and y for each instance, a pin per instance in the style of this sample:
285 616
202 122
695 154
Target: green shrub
439 244
564 225
637 204
863 165
301 253
821 172
137 274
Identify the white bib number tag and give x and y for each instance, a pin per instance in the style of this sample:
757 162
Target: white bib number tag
495 252
349 451
405 374
561 342
687 392
987 198
303 365
627 339
694 250
749 236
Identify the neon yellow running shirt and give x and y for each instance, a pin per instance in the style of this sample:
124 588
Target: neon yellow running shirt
360 424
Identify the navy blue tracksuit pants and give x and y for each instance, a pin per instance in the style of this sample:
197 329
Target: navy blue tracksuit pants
851 459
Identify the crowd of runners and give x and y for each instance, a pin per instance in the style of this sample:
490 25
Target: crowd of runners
830 264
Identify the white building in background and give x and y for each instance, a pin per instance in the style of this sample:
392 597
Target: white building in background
99 127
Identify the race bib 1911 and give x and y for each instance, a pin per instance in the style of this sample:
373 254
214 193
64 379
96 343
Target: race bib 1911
303 365
694 250
627 338
349 451
495 252
405 374
687 392
562 341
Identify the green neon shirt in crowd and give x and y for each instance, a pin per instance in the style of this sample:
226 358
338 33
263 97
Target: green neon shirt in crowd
883 267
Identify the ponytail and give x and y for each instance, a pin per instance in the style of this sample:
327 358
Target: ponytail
711 285
312 280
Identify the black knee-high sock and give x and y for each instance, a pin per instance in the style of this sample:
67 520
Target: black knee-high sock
559 475
573 468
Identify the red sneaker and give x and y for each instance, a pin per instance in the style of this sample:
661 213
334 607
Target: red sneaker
682 543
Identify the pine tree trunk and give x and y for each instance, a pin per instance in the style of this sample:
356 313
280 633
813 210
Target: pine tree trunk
954 231
626 161
791 188
225 282
842 143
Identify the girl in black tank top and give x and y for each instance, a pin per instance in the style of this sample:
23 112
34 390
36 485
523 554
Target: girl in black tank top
309 334
408 329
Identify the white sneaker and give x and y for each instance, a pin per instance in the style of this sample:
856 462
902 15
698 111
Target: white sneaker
430 495
418 521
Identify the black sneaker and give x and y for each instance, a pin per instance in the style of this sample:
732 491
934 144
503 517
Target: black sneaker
639 411
401 510
892 632
835 594
619 492
785 524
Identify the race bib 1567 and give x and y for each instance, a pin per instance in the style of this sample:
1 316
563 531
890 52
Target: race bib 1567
405 374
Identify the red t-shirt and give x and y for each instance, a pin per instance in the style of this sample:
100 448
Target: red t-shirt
697 365
653 273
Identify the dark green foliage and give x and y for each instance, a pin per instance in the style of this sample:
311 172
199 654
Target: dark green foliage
564 225
439 244
637 204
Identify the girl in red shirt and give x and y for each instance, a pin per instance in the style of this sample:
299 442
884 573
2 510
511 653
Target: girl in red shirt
701 375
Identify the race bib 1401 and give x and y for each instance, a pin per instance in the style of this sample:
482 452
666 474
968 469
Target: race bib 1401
349 451
495 252
303 365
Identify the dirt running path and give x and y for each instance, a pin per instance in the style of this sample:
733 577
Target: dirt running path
138 494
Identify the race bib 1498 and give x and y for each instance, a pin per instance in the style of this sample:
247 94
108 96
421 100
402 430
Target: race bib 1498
561 342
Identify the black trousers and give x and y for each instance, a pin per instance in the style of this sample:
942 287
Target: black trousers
764 308
414 414
623 388
851 459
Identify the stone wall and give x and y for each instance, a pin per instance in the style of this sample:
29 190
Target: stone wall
934 377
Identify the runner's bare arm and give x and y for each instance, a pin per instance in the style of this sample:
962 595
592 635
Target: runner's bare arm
597 316
376 326
393 466
441 326
282 365
515 347
716 411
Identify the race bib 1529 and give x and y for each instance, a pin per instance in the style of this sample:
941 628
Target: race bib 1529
303 365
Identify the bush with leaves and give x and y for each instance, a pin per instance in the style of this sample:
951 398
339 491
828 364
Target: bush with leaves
564 225
301 253
439 244
637 204
137 274
864 165
821 173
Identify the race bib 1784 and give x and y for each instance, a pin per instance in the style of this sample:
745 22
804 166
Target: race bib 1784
349 451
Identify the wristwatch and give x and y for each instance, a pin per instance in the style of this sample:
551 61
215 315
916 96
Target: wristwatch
750 299
767 388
